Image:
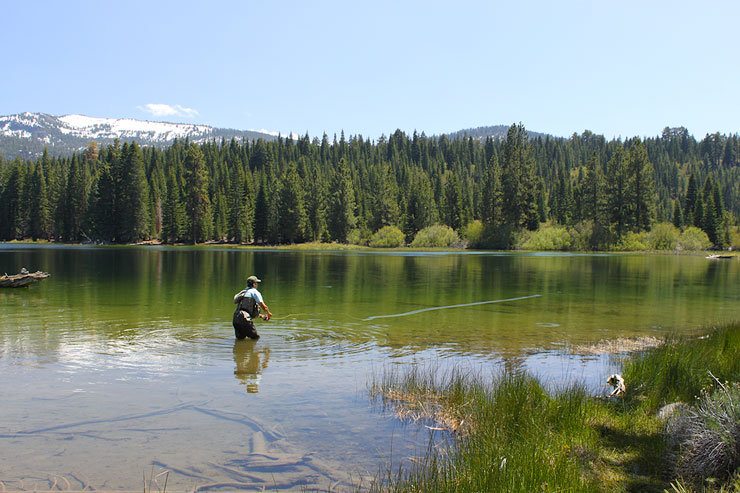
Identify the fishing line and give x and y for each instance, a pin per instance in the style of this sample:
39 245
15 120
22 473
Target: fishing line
414 312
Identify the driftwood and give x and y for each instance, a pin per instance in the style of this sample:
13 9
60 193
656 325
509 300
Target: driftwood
23 279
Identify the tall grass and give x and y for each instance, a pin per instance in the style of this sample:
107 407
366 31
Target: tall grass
678 370
512 434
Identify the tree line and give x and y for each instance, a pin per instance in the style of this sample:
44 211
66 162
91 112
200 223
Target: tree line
300 190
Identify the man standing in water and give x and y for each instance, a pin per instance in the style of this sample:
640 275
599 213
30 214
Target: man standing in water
254 293
249 302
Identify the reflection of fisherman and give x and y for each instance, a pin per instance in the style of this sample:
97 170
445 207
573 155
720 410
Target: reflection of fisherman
249 302
250 363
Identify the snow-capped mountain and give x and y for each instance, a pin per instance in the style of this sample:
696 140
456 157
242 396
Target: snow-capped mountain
25 135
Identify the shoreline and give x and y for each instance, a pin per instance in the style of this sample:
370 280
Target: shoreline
342 247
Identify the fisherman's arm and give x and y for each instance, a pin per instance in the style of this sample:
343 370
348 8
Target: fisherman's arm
268 314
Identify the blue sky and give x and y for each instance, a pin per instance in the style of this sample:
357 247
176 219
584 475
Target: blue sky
622 68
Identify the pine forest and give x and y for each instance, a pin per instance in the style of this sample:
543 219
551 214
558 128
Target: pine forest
493 193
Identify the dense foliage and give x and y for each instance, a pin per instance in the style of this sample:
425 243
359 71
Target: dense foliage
293 191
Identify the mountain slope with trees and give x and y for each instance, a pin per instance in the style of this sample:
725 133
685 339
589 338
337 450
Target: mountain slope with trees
344 190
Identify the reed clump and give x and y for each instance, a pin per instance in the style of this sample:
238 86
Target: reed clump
510 433
676 428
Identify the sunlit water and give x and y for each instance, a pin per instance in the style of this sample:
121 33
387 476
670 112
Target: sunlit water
123 363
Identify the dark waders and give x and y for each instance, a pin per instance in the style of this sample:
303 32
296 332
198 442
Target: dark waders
246 311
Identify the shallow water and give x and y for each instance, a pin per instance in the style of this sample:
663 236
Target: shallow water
123 363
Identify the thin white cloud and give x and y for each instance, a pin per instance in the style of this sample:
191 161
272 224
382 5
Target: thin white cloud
160 110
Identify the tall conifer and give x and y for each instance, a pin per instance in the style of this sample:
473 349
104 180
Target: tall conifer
197 201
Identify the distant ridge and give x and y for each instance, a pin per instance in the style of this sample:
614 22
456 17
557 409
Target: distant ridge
25 135
495 131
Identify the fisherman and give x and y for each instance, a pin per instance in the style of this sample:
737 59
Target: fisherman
249 302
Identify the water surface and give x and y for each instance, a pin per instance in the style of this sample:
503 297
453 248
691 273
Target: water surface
124 361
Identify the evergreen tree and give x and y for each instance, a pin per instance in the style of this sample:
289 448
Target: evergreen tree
76 201
698 213
219 216
594 201
133 193
293 218
492 196
173 213
691 194
384 206
541 201
40 209
617 185
563 206
103 217
11 203
420 209
711 217
642 200
677 214
316 205
197 202
261 211
518 180
454 209
237 230
342 217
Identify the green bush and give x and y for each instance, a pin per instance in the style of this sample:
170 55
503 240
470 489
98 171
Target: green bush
387 237
473 234
439 236
549 239
358 237
633 242
664 236
584 236
694 239
735 238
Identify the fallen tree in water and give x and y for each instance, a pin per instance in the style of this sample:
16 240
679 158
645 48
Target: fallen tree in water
24 278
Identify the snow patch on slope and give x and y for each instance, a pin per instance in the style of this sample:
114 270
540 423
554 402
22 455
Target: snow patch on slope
90 127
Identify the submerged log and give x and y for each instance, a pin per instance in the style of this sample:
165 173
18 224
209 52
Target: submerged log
23 279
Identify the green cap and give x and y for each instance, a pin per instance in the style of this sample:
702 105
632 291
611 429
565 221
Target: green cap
253 279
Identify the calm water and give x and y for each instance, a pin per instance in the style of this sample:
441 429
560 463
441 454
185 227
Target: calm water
124 363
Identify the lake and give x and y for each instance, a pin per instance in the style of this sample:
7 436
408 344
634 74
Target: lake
123 363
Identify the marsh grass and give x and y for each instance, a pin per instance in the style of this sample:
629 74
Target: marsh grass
509 432
678 370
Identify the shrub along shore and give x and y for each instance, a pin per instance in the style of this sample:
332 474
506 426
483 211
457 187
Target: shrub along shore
676 428
664 237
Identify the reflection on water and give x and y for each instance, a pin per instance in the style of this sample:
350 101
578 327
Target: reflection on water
250 359
125 358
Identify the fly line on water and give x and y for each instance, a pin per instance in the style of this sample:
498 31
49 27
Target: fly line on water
414 312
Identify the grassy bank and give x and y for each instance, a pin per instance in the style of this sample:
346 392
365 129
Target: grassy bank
511 433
